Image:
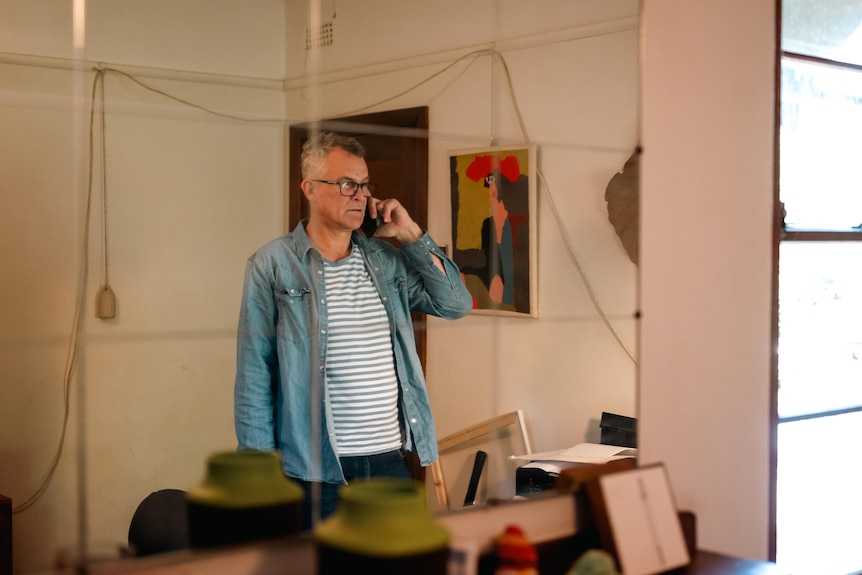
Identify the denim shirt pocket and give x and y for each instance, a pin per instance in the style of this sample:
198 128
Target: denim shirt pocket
396 287
294 313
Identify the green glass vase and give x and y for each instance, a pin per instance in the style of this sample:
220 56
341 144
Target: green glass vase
244 496
382 526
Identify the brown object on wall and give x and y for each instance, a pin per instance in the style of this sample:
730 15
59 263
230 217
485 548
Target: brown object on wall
622 195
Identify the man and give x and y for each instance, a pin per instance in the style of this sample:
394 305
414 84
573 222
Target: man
327 369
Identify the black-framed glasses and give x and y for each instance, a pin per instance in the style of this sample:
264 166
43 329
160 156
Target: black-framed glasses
349 187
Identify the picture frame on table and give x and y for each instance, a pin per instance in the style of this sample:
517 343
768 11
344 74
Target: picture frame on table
638 521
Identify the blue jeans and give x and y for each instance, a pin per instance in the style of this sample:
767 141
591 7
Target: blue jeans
324 496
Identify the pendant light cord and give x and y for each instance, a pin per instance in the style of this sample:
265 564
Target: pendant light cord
100 78
72 353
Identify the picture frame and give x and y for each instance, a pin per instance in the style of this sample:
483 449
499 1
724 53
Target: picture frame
494 227
637 520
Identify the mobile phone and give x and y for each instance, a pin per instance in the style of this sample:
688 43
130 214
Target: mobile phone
370 225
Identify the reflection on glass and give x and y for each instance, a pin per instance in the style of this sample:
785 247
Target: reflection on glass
820 332
824 29
821 119
194 181
819 500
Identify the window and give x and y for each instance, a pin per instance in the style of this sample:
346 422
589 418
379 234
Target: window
818 499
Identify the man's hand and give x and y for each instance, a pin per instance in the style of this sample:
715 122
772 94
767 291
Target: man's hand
395 221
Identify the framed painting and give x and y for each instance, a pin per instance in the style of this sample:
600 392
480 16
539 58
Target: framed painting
493 192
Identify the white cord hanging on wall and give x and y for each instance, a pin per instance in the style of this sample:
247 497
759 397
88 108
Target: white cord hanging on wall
106 301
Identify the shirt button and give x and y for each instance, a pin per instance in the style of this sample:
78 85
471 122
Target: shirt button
292 290
321 368
319 272
385 298
412 420
323 301
323 331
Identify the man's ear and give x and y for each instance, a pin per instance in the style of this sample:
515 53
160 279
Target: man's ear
307 190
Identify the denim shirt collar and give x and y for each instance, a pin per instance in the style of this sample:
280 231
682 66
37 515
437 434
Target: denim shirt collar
302 244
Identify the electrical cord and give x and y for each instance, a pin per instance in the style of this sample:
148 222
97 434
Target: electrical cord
77 322
566 241
77 325
101 75
471 55
98 81
543 180
182 101
541 176
106 302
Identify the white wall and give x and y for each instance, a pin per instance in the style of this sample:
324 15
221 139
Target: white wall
190 195
706 271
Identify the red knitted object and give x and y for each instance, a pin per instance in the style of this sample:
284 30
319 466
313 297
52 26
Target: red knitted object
514 549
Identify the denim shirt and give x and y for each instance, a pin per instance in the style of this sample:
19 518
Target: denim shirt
280 395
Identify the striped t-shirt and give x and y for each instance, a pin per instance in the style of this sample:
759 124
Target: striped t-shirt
360 368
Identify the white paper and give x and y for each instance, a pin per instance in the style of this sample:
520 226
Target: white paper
582 453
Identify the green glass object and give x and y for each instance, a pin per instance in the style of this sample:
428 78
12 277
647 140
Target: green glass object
594 562
382 526
244 496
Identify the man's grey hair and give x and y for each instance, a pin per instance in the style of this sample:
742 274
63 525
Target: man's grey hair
315 150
